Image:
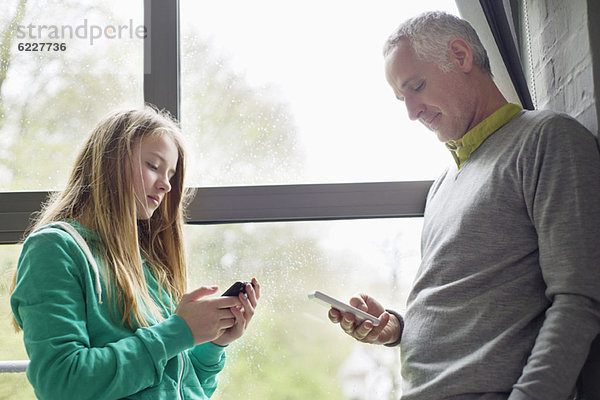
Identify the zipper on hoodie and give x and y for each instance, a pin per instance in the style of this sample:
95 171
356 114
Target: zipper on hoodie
180 377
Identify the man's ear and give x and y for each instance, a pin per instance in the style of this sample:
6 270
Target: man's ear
461 55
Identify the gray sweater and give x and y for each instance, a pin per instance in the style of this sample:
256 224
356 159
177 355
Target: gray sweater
506 301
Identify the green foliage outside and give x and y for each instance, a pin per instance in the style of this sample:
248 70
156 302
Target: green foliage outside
13 386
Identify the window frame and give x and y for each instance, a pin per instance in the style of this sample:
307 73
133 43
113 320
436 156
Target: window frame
269 203
236 204
266 203
241 204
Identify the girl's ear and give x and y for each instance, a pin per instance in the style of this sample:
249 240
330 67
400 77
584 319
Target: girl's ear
461 55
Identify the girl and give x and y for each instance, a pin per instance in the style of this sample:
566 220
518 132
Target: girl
100 283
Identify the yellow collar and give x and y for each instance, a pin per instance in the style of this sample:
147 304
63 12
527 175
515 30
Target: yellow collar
462 148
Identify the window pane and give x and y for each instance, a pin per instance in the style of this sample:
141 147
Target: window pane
291 350
12 385
52 96
294 92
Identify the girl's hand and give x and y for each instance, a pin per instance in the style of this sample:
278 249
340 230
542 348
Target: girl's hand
242 313
207 319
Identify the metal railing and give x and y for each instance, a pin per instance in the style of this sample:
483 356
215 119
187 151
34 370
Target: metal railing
13 366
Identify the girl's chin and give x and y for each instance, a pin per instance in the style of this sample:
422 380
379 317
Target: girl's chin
144 215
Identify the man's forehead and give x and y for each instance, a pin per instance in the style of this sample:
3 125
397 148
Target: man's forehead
403 48
403 59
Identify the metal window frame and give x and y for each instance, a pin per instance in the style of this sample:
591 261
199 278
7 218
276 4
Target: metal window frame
499 17
272 203
493 21
162 55
235 204
238 204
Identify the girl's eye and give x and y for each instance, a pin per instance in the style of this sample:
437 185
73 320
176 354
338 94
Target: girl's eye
420 86
152 166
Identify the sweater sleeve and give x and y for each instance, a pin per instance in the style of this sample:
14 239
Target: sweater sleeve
208 360
49 303
562 189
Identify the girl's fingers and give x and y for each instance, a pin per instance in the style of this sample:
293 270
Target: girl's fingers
200 292
256 288
251 295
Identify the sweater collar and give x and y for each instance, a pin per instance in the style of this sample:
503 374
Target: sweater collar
462 148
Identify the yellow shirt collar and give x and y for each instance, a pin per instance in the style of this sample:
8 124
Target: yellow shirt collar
462 148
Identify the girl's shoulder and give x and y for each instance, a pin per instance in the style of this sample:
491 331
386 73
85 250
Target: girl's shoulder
51 233
50 251
60 248
59 240
64 232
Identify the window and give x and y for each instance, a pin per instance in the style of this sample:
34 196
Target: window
295 94
53 95
276 92
271 95
64 65
291 350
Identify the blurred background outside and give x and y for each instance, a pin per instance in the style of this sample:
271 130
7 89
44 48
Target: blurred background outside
273 92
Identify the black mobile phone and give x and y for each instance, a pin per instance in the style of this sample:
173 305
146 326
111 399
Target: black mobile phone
237 288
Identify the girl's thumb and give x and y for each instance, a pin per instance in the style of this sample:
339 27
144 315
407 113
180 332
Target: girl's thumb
201 292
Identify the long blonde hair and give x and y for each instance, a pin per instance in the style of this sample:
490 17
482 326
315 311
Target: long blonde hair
101 197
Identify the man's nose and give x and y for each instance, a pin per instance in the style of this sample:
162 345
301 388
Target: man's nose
414 108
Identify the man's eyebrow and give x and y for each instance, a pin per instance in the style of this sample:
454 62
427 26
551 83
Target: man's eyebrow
409 80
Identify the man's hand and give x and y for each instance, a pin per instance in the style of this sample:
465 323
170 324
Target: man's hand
388 330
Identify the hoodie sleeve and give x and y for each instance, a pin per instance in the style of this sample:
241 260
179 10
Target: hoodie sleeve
208 360
49 303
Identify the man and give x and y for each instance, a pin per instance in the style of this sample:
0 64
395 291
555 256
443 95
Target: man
506 302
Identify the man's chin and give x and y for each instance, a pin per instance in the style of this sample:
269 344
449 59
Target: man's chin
440 135
445 136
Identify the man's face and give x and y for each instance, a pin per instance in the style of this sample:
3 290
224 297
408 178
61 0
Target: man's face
442 101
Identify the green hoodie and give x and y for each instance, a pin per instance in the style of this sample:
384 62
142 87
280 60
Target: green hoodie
76 348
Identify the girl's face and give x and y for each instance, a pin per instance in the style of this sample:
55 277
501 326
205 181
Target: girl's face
154 164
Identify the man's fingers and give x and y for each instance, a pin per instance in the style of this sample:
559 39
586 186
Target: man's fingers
383 320
373 335
347 323
363 330
359 302
334 315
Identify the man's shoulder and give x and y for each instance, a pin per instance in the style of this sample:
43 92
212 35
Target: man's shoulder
539 117
544 118
548 126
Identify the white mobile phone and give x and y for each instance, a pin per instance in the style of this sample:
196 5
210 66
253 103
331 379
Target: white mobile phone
343 307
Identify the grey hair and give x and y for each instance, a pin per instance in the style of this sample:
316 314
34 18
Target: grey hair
429 35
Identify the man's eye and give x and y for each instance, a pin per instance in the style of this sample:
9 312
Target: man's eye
420 86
